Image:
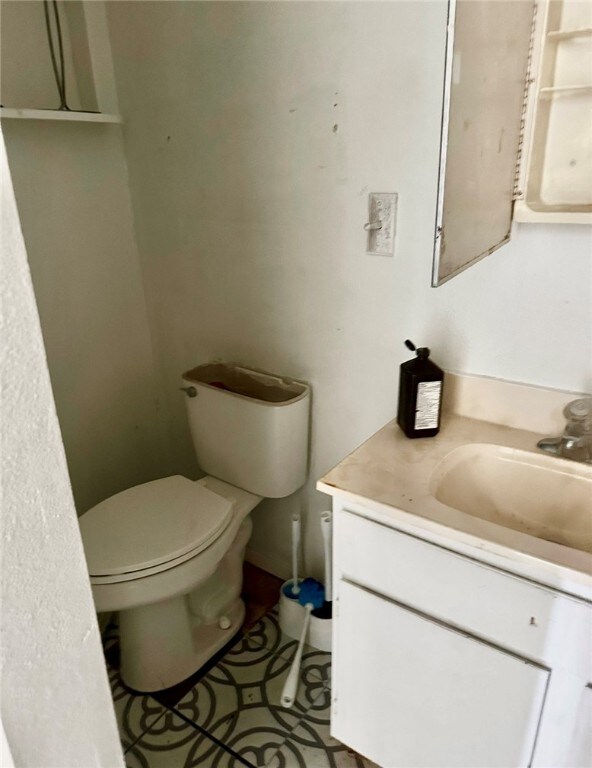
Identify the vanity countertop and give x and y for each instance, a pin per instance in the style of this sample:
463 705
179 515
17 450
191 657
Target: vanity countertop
387 480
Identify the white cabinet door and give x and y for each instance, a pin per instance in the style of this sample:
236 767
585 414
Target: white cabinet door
409 691
581 745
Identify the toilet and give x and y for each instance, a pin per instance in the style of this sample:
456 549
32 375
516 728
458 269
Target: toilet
168 554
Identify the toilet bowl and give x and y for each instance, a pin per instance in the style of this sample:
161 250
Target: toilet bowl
176 610
168 554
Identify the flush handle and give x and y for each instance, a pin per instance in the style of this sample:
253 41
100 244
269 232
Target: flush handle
189 391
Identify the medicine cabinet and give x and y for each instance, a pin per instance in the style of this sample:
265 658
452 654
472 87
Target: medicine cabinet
516 142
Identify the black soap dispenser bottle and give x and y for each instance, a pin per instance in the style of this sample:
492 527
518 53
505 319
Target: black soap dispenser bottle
420 394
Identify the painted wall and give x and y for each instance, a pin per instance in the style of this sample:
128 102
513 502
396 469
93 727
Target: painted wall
253 133
74 204
56 706
523 314
71 187
27 76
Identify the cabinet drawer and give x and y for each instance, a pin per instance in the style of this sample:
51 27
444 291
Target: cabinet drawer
437 697
504 609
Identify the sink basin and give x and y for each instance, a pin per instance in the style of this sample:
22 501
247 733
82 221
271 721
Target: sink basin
544 496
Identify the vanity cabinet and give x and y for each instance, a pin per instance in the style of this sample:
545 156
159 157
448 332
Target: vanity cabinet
442 660
438 696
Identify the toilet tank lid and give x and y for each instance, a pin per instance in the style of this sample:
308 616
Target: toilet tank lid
151 524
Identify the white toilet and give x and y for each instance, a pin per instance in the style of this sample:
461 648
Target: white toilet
168 554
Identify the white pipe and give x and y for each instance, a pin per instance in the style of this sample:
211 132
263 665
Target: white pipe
326 519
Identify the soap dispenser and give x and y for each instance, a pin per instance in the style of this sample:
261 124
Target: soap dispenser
420 394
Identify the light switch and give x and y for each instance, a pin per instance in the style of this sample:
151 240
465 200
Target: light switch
382 213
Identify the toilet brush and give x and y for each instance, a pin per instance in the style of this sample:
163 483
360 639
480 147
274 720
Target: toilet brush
294 590
311 596
326 610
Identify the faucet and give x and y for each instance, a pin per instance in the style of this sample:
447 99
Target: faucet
576 441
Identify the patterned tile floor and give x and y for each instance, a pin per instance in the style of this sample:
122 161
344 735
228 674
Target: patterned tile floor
231 716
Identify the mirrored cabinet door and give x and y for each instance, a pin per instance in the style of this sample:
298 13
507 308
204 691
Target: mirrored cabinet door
487 57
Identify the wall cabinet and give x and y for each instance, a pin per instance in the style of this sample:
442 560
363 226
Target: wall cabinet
515 141
439 659
555 182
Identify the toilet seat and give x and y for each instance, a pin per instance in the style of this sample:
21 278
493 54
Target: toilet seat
151 528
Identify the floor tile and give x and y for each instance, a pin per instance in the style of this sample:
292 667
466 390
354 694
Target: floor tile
309 744
267 633
135 713
238 701
231 716
172 742
171 696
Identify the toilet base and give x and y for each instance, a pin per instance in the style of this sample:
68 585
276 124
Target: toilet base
160 648
165 642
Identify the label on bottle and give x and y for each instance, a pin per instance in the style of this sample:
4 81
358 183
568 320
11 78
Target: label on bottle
428 404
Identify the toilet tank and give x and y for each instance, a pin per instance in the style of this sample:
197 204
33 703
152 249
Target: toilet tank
249 428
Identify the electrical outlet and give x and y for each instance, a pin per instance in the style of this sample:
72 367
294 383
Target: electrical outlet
382 212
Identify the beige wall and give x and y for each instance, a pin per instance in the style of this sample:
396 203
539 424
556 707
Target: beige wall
254 132
71 190
56 703
71 187
26 74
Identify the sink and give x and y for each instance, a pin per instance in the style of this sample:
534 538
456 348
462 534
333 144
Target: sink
544 496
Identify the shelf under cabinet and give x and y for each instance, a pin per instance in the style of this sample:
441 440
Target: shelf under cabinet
556 172
57 114
569 34
564 90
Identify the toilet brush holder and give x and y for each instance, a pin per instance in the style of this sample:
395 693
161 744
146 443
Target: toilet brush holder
292 619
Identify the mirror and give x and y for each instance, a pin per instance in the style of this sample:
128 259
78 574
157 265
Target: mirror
487 56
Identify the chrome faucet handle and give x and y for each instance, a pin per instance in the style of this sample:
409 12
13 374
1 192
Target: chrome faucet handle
576 441
578 414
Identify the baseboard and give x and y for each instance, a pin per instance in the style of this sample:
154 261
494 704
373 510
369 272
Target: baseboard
268 562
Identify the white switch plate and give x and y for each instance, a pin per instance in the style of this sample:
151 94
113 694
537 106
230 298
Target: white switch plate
382 208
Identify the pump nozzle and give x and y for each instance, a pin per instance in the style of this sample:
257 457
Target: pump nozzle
421 352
